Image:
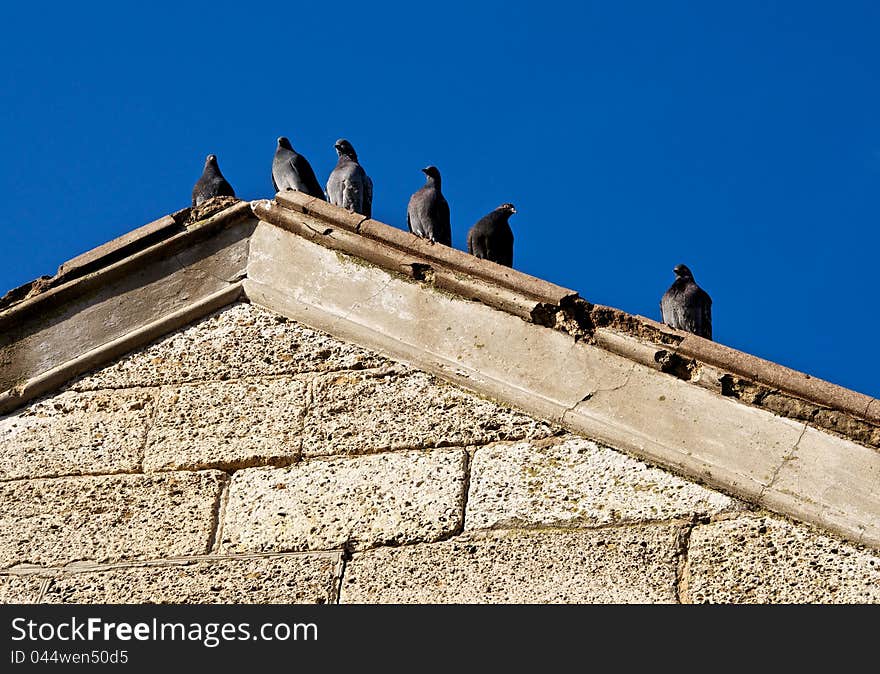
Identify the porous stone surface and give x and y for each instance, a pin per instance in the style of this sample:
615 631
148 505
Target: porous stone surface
106 518
230 424
397 408
614 565
577 483
20 589
241 340
382 499
285 579
763 560
76 433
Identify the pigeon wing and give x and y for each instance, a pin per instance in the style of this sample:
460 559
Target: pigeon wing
702 311
442 228
307 177
334 187
368 196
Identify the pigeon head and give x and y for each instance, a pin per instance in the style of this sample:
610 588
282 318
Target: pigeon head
682 271
433 173
506 208
283 142
343 147
211 160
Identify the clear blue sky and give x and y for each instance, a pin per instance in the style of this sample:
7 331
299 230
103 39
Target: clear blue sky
741 138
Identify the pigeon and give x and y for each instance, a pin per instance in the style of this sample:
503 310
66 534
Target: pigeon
491 237
686 305
292 171
211 184
349 185
427 214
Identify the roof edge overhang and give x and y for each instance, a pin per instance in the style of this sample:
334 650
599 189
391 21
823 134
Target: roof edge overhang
547 304
696 407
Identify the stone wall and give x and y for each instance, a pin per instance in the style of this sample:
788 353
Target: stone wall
248 458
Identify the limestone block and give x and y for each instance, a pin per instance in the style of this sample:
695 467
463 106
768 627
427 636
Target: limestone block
358 412
765 560
230 424
577 483
20 589
284 579
105 518
382 499
76 433
241 340
615 565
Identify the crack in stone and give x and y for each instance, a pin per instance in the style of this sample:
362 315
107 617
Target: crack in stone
626 379
595 391
299 376
44 588
218 515
78 567
466 488
338 576
326 232
369 299
151 422
681 570
782 463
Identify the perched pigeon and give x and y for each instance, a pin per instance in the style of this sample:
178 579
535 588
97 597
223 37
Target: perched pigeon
211 184
427 214
348 185
686 305
491 238
292 171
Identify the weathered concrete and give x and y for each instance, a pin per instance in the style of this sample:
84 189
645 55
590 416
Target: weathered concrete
388 247
127 244
20 589
107 518
615 565
227 425
777 377
577 483
383 499
536 369
689 429
241 340
451 258
358 412
76 433
279 579
51 380
766 560
52 329
832 482
652 415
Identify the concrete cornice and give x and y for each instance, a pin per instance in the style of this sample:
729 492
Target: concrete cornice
538 300
771 435
89 312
